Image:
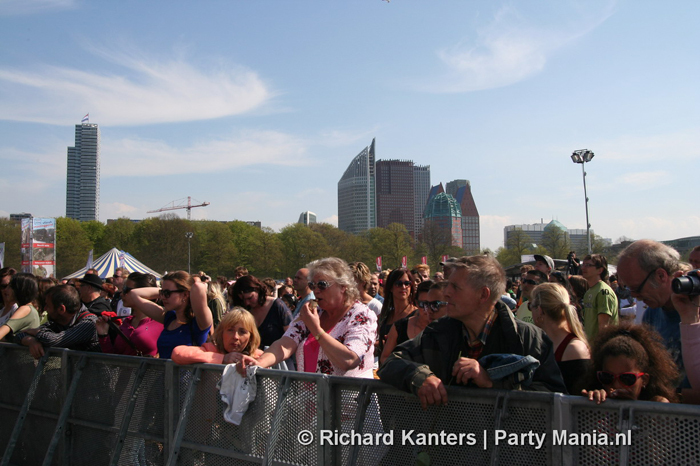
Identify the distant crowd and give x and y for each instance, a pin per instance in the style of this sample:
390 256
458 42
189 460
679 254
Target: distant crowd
578 330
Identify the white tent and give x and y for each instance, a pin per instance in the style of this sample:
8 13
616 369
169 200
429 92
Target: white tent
109 261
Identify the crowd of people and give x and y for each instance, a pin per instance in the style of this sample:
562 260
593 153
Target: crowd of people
468 324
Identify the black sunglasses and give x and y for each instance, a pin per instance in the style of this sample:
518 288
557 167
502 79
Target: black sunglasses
432 306
530 281
126 290
399 284
167 293
321 285
626 378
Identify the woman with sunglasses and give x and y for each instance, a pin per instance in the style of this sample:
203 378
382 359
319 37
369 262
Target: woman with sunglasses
398 303
630 362
184 313
552 311
431 306
333 335
272 316
141 331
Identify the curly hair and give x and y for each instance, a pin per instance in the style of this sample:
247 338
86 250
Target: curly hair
236 316
339 272
643 345
362 274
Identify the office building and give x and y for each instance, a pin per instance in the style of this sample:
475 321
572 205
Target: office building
83 175
443 220
356 194
402 192
307 218
578 238
471 233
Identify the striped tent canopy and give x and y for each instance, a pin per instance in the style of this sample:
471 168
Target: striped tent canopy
109 261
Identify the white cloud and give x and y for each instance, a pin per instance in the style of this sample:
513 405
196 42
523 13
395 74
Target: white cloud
117 210
147 158
333 220
509 49
26 7
142 90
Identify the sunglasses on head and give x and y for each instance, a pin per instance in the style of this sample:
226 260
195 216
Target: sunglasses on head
626 378
400 284
321 285
167 293
432 306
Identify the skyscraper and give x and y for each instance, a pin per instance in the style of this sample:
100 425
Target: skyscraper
307 218
83 176
443 221
471 235
356 194
421 187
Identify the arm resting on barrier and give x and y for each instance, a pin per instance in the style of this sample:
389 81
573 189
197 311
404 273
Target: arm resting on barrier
280 350
206 354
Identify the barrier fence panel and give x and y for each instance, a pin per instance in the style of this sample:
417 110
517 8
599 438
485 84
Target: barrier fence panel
94 409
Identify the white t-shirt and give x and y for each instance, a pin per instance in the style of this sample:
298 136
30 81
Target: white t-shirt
7 316
375 305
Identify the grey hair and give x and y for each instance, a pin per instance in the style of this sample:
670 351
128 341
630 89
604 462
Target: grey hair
652 255
338 271
484 271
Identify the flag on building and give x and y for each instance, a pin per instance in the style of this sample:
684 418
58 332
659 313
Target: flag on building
86 118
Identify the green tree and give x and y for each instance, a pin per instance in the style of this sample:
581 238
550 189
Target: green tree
556 242
519 243
342 244
437 241
11 235
507 257
216 252
95 231
399 244
246 241
72 246
268 259
300 245
161 244
117 234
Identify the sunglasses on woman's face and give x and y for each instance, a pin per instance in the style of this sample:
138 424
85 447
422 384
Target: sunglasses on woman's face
320 285
626 378
126 290
401 284
166 293
432 306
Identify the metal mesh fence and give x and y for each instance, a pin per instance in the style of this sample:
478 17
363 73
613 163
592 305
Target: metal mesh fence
77 408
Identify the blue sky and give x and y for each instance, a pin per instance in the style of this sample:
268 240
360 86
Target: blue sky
258 107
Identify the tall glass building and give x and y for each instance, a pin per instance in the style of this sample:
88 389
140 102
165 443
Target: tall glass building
83 177
356 194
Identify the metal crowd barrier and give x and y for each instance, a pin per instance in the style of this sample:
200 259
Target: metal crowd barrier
75 408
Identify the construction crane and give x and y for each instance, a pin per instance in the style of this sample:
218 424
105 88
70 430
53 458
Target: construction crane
188 206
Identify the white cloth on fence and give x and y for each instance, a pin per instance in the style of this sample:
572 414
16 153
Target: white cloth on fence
237 392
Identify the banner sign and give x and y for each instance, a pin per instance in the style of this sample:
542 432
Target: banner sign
38 246
379 264
424 260
404 262
2 255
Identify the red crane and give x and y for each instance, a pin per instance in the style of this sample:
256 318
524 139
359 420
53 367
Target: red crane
188 206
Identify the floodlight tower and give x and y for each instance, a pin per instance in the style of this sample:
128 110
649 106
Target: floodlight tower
582 156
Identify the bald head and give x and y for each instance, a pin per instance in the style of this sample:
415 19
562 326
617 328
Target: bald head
300 282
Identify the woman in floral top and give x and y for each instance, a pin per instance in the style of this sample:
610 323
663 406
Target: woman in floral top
334 335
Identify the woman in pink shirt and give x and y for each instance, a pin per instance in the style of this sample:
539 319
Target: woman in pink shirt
235 336
141 331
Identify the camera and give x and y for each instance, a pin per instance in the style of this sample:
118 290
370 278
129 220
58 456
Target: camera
688 284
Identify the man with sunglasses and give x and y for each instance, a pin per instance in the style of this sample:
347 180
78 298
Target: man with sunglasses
451 349
648 267
600 302
532 279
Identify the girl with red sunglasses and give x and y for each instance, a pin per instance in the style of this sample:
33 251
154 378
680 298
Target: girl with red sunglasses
630 362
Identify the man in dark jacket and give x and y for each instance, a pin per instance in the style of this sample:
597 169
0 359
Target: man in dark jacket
477 324
90 288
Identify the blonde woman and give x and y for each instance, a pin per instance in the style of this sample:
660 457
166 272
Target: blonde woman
552 312
236 335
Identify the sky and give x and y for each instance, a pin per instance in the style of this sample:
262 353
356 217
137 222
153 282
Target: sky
258 107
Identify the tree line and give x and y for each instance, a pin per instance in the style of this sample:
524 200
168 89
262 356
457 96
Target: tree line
217 248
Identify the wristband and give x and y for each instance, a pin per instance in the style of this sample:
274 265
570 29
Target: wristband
319 334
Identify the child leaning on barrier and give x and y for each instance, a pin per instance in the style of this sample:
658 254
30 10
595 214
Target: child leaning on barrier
235 336
631 363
